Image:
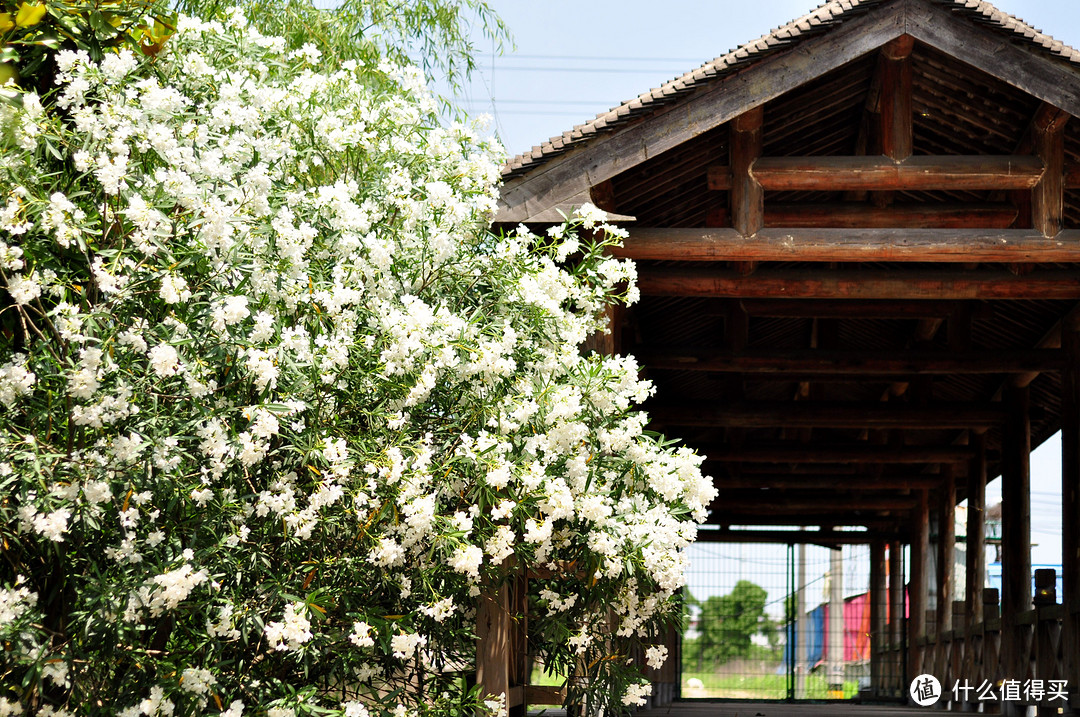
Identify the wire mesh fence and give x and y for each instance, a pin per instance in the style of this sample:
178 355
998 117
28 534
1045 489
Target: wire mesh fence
759 622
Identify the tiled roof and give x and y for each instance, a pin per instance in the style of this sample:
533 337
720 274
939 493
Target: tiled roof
827 15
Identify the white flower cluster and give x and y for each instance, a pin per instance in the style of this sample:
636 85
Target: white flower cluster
276 353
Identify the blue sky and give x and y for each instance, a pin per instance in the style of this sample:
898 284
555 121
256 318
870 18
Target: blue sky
575 59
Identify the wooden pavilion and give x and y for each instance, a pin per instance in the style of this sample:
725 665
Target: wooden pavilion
858 241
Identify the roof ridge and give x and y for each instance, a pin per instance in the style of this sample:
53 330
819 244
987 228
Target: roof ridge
824 15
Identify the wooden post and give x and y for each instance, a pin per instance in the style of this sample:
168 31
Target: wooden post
747 196
1070 505
897 604
493 642
975 574
878 600
920 547
1047 197
1016 531
946 554
896 111
946 536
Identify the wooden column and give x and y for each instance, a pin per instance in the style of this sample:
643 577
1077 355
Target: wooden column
879 597
896 114
975 576
896 615
946 557
1070 505
946 554
1016 527
747 196
493 640
1047 197
917 592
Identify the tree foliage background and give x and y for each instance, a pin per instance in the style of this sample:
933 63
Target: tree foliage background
276 408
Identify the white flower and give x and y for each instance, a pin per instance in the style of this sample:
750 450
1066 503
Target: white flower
15 380
405 644
23 288
362 635
293 630
174 289
164 360
197 681
636 693
467 559
52 525
656 656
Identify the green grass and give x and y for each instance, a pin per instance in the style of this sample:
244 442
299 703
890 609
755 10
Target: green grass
760 686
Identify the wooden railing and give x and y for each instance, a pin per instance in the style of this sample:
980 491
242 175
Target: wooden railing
972 655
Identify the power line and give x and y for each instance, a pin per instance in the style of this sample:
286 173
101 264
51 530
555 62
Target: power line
602 58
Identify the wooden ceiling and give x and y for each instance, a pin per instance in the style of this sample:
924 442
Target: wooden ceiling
841 284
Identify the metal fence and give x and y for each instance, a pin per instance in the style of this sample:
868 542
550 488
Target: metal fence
759 627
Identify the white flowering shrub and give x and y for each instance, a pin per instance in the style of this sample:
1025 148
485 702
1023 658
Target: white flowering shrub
276 408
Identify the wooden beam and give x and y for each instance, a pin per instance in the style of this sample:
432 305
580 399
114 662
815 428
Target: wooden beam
884 520
808 362
493 641
781 504
719 176
923 284
921 172
747 197
812 537
1029 69
1048 196
837 453
830 244
781 308
846 215
801 414
854 483
772 76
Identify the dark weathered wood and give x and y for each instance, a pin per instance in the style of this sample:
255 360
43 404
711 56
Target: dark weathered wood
838 309
831 483
818 537
829 244
876 363
975 560
835 517
946 548
896 112
780 72
920 172
856 245
1070 498
829 415
896 613
921 284
492 642
1015 524
1016 64
878 602
820 452
819 503
1048 196
917 591
1072 176
902 216
747 197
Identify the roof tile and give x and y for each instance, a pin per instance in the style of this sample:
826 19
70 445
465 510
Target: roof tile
826 15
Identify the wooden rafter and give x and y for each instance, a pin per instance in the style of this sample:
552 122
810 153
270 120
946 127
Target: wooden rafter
923 284
921 172
828 483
